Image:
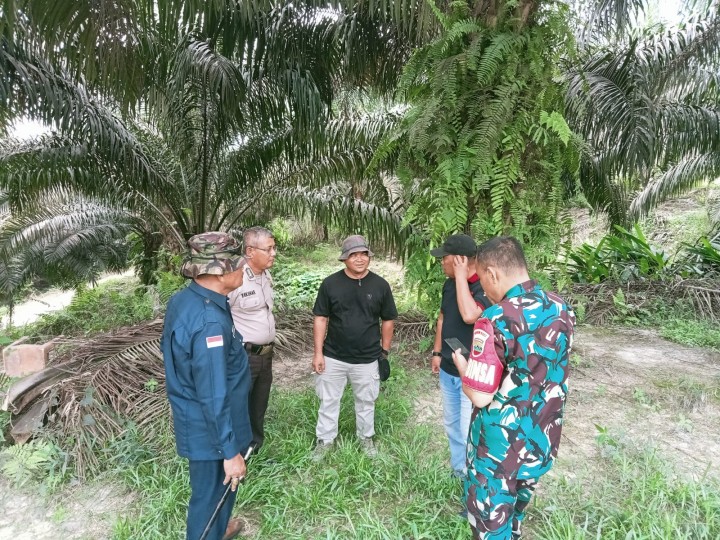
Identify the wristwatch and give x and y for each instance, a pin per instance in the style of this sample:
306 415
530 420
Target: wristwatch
384 352
436 353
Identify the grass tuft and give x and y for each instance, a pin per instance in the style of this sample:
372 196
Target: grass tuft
638 495
407 492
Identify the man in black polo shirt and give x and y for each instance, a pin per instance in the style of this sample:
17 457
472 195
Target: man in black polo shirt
353 326
458 248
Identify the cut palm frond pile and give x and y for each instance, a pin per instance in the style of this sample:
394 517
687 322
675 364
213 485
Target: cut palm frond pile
120 384
116 381
294 329
605 302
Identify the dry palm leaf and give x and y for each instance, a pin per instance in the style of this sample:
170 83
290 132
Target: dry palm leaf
118 381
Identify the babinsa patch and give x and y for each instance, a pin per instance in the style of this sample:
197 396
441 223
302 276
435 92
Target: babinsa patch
479 339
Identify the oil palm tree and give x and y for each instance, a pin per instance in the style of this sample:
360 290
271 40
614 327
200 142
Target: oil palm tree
193 116
203 114
647 103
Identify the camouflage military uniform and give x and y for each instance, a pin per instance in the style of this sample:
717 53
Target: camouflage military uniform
513 441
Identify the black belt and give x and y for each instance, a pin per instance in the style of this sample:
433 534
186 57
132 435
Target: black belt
259 349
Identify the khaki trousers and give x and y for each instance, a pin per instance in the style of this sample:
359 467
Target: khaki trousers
330 385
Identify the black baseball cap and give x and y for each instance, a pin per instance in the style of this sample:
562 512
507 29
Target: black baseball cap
457 244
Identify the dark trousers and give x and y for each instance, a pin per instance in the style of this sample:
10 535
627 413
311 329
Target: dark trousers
206 483
261 372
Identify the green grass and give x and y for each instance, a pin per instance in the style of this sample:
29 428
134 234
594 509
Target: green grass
320 257
627 493
678 323
406 493
696 333
686 394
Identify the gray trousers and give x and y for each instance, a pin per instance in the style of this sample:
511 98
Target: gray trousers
330 385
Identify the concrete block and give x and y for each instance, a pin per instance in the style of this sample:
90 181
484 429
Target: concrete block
22 359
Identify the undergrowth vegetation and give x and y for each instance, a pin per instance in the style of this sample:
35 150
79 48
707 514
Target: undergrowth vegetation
37 459
407 492
638 495
627 280
673 316
624 255
112 304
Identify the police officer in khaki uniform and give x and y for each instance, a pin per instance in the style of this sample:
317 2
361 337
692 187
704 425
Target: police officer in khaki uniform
251 308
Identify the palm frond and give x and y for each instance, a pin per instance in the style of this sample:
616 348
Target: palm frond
333 207
610 17
646 102
66 235
690 172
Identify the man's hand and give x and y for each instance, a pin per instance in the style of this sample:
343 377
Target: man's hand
460 267
460 362
318 363
234 471
435 364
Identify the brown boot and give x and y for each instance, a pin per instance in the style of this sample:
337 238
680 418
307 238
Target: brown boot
234 528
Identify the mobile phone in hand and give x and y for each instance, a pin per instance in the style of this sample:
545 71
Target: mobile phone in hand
455 345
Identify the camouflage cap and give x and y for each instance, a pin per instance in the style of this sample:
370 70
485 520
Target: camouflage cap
215 253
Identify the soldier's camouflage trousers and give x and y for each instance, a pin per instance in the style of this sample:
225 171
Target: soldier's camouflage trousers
496 506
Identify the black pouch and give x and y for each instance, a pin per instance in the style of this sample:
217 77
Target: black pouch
384 368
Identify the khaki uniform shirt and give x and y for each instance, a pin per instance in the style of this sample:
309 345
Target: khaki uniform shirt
251 308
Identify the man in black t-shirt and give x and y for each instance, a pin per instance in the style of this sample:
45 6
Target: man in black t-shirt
353 326
451 323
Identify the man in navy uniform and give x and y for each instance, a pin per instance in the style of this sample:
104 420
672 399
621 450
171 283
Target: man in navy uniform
207 380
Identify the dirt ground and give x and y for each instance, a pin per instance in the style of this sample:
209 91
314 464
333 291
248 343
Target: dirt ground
631 382
82 512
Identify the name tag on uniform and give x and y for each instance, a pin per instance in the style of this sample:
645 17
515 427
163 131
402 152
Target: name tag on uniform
214 341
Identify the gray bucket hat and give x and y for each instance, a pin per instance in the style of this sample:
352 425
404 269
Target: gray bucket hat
215 253
353 244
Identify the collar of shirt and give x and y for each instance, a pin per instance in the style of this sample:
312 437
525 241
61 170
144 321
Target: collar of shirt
216 298
253 276
522 288
473 278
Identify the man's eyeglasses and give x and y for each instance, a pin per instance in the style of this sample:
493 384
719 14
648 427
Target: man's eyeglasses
272 249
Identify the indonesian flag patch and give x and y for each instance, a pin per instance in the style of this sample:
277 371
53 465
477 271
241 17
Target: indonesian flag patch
214 341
